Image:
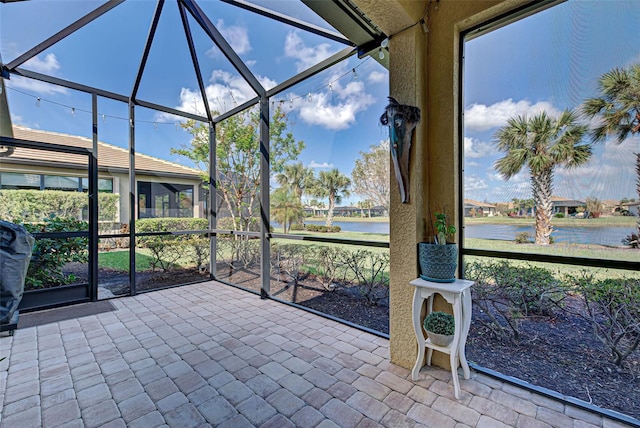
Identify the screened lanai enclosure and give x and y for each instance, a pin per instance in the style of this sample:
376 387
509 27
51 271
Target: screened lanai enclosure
178 144
153 144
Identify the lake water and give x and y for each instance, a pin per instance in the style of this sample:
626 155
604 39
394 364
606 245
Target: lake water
571 234
606 235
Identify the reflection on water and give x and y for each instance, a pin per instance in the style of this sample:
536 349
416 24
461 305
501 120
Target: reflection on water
606 235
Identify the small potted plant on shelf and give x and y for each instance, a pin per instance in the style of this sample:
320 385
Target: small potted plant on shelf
439 259
440 327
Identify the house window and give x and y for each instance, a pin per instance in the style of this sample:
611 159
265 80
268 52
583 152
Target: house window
164 200
105 185
57 182
14 181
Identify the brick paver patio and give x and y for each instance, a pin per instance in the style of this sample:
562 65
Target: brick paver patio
212 355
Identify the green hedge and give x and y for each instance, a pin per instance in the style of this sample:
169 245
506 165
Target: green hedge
168 250
33 205
51 255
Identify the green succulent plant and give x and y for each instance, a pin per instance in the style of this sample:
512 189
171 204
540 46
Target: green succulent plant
440 323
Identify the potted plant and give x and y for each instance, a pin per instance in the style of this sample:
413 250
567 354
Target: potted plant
440 327
439 259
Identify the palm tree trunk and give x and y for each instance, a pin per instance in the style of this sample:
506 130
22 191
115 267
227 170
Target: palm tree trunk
332 204
638 174
638 183
542 189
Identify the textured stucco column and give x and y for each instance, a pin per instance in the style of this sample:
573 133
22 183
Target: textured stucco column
406 229
423 71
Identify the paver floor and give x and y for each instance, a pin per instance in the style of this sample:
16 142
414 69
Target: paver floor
212 355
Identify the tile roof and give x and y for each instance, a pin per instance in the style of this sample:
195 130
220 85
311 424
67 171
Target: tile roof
110 157
478 203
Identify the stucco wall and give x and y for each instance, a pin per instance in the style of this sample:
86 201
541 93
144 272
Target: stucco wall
423 71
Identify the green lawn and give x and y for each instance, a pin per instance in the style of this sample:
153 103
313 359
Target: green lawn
575 250
559 249
119 260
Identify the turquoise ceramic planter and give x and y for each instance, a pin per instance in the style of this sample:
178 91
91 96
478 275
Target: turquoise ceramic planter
438 262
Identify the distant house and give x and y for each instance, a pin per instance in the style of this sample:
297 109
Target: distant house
350 211
163 188
478 209
315 211
346 211
566 206
632 207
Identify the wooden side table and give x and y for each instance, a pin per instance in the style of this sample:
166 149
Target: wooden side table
458 294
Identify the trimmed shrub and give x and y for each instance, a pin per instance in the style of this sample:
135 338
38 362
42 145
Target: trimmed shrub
524 238
559 215
290 260
632 240
330 265
506 294
34 205
238 251
322 228
371 271
50 255
167 250
247 224
613 308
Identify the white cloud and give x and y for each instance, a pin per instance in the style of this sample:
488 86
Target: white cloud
34 86
336 108
323 165
47 65
474 183
305 56
480 117
237 36
224 92
609 175
377 77
477 149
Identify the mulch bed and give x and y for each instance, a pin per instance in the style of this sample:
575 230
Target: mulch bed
559 353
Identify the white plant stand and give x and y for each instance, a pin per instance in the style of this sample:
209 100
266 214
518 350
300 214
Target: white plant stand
458 294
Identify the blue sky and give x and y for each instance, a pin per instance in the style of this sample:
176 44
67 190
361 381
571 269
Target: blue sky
335 113
550 61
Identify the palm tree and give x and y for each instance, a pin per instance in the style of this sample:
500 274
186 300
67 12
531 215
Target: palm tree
285 208
617 107
541 143
334 185
296 178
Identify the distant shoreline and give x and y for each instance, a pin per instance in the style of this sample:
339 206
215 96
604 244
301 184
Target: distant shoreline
351 219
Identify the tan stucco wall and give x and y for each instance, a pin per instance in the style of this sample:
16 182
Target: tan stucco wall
423 71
